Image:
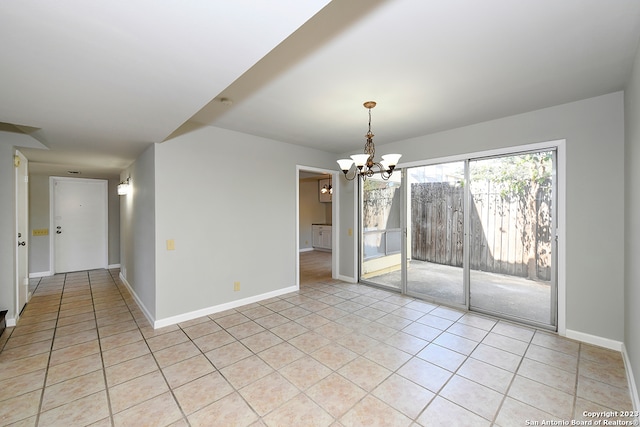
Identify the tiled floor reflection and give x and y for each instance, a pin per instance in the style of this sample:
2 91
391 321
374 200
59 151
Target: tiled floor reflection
332 354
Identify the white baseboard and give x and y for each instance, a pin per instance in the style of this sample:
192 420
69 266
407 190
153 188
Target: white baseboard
50 273
306 249
595 340
161 323
347 279
633 390
40 274
137 299
10 322
221 307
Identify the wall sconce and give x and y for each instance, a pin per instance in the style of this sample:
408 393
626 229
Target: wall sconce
124 187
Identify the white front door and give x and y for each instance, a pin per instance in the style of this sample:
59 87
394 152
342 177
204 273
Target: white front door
22 231
79 224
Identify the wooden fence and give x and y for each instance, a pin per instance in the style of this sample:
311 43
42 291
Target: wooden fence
505 236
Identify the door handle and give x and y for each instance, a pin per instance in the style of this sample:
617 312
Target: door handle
22 243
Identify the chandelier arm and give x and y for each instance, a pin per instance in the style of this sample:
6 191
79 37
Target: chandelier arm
384 173
355 174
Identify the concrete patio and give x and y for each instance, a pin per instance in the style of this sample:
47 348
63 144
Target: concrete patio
512 296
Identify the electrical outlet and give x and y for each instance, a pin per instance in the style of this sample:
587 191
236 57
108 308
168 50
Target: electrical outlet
236 286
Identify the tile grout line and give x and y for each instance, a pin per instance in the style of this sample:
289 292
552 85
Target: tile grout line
219 371
53 340
575 390
394 372
513 379
467 357
521 357
8 332
435 393
367 392
184 415
104 368
454 373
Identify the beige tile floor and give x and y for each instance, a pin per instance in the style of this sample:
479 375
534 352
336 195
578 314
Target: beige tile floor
332 354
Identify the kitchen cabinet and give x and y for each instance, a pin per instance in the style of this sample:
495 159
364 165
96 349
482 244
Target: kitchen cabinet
321 237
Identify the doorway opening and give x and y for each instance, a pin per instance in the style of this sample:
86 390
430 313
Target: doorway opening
316 225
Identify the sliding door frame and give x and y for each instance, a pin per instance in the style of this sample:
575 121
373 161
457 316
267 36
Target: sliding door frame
465 274
403 235
559 218
553 317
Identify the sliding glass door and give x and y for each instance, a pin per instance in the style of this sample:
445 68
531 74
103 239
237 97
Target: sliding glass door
476 233
511 245
435 232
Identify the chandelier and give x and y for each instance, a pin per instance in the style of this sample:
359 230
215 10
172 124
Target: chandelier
366 166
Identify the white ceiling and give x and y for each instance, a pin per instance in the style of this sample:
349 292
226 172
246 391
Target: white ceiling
97 82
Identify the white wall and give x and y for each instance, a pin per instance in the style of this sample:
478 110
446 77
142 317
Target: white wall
594 131
7 230
113 217
138 230
228 200
632 227
39 218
